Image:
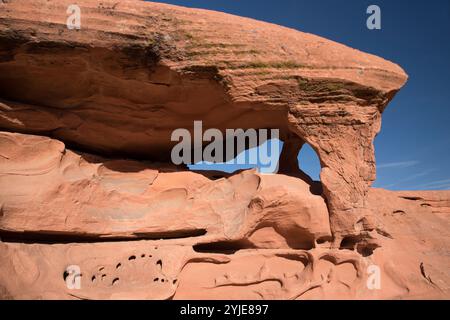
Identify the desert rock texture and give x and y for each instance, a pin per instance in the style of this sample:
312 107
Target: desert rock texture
86 179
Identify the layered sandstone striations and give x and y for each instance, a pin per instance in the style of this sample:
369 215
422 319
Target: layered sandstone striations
77 105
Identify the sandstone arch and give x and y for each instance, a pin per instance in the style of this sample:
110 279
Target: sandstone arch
122 80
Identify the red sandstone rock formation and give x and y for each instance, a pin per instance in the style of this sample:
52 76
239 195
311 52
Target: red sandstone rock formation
75 103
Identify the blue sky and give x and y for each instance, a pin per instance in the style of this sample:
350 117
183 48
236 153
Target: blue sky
413 148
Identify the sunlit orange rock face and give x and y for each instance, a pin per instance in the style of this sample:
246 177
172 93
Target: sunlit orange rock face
86 179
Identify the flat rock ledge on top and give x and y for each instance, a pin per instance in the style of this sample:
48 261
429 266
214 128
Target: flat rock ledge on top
120 85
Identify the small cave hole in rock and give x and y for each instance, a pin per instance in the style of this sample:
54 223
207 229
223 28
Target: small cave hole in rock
132 258
156 280
366 249
323 240
118 266
159 263
115 281
93 278
223 247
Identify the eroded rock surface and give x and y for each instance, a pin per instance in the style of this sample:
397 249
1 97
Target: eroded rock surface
77 105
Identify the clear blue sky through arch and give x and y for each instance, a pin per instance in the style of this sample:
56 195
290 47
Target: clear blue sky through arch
413 148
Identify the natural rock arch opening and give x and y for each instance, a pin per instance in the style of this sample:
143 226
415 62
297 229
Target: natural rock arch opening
150 83
310 165
290 164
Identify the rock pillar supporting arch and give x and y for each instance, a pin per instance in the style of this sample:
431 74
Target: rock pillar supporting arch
343 139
